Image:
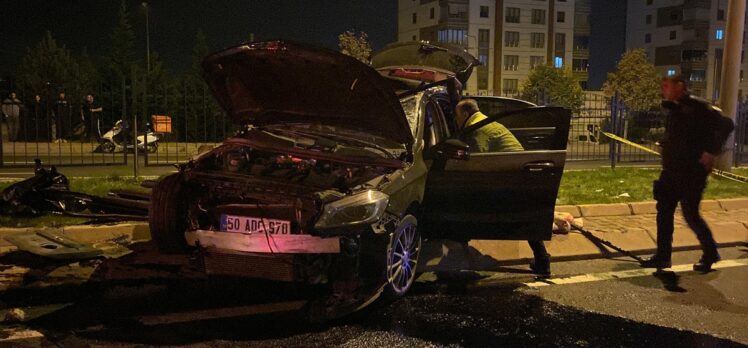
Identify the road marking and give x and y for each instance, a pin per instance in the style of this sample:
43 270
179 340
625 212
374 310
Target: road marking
640 272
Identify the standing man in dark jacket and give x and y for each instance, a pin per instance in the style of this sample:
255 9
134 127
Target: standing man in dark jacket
91 119
37 126
62 119
694 134
12 108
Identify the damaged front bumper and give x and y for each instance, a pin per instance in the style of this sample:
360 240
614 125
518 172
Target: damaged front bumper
276 257
264 243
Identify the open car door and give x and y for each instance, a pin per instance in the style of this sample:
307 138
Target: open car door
501 195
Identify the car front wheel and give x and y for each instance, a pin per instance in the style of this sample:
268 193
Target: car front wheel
167 215
402 257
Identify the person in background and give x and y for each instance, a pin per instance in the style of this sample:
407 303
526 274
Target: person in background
37 125
60 126
12 108
90 116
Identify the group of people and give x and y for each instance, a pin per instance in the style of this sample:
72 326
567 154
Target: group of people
39 120
695 133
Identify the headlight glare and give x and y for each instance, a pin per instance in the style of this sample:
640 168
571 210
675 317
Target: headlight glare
362 208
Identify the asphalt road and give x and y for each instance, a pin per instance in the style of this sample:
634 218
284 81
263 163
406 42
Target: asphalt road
592 303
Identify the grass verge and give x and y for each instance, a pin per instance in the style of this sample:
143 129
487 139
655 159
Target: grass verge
602 185
624 185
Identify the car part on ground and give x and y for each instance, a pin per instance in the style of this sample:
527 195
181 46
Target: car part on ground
48 192
57 246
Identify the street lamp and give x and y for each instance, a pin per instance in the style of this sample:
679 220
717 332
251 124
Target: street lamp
147 39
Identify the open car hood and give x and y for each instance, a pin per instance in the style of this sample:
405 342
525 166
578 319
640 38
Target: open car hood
282 82
424 61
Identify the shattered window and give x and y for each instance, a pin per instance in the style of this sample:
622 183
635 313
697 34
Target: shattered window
409 106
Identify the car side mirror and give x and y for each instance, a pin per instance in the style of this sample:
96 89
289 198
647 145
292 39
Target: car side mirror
448 149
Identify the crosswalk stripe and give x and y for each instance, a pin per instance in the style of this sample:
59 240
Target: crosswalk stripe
640 272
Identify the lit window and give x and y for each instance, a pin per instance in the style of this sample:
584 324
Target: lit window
558 62
670 72
720 34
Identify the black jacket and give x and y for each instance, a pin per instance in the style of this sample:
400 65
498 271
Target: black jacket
693 126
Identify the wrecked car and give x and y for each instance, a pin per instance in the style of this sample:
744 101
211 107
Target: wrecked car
341 169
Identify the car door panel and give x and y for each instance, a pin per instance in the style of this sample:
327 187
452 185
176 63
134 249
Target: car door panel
502 195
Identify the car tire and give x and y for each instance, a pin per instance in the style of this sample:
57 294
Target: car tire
167 215
106 147
402 253
152 148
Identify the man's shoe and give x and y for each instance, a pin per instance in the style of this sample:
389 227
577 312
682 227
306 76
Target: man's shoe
705 263
541 267
656 262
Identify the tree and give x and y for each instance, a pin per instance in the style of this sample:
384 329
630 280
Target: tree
355 46
87 74
199 51
556 85
121 55
48 65
635 81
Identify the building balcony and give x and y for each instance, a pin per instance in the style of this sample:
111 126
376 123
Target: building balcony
694 65
705 4
581 52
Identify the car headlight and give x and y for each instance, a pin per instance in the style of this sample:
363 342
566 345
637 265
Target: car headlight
363 208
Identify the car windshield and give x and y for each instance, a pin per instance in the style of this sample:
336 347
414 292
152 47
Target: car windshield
409 106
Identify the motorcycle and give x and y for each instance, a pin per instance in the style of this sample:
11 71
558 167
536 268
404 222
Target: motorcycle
118 139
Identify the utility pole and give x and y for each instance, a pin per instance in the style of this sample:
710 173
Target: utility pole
147 40
728 92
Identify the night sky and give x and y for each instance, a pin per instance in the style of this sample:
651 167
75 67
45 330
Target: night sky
80 24
173 24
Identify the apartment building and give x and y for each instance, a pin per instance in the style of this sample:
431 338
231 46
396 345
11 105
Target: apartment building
509 37
683 37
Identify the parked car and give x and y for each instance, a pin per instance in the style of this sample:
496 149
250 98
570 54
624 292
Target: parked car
339 165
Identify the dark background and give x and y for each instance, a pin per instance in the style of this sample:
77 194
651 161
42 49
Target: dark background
173 24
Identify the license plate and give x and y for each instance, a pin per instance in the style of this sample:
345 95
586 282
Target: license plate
249 224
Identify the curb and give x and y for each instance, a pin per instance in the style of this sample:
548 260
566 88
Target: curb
646 207
487 253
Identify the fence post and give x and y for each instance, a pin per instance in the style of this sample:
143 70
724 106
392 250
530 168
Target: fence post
612 144
740 134
2 159
123 116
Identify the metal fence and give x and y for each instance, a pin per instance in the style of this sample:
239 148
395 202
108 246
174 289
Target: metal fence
599 113
52 128
188 121
194 122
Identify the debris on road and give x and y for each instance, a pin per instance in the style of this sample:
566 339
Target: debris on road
564 222
48 192
14 315
56 246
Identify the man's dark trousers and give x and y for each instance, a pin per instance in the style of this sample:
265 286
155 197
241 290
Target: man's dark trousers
538 250
686 188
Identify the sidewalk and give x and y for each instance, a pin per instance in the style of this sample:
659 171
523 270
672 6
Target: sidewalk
629 226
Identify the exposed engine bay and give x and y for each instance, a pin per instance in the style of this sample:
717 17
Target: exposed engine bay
240 180
320 174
